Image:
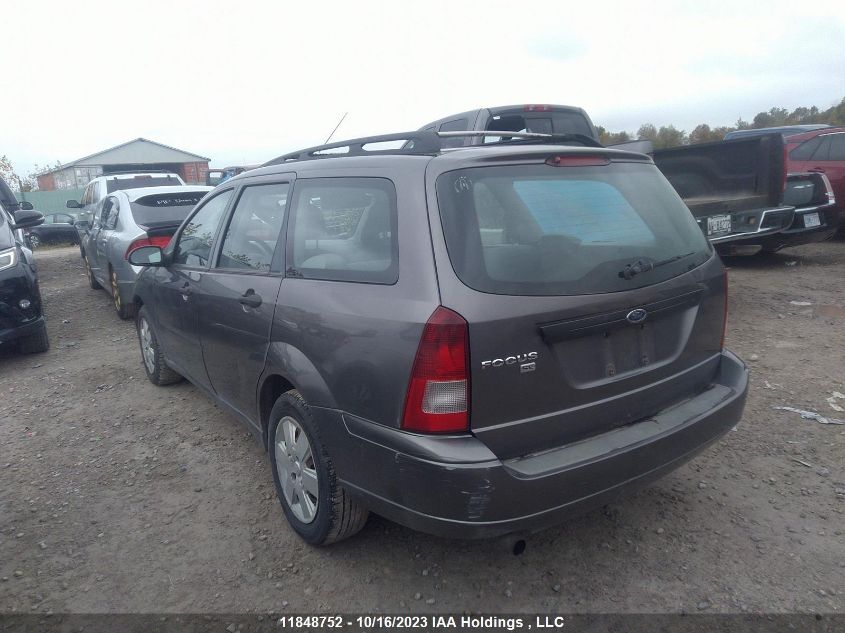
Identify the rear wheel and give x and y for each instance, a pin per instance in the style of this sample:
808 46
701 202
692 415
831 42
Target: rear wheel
315 504
34 241
123 311
34 343
92 281
156 369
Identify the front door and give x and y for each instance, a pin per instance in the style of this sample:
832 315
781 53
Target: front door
238 296
179 289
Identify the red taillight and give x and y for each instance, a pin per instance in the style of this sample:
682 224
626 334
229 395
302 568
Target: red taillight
577 161
533 107
159 240
438 392
725 316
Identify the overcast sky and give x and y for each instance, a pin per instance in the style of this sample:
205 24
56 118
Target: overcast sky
244 81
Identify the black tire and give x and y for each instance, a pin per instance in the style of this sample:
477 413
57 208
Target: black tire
339 515
123 311
34 343
160 374
92 281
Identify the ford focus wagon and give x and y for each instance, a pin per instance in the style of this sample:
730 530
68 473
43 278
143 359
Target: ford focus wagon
470 342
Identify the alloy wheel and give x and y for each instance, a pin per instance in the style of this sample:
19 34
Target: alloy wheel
115 292
34 241
296 469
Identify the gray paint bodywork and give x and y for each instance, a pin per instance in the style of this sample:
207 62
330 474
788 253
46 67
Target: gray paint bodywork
537 452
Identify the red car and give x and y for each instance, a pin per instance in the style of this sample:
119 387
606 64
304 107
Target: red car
822 151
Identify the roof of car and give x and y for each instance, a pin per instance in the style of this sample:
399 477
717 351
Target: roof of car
804 136
134 194
786 130
387 160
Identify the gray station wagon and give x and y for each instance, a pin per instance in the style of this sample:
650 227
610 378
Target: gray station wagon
470 342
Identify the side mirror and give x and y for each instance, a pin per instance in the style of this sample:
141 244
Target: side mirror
73 204
26 206
26 219
146 256
82 224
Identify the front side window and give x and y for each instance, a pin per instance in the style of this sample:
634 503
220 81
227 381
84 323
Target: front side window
548 230
197 237
344 229
255 228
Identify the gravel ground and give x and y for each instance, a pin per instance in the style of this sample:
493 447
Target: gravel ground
117 496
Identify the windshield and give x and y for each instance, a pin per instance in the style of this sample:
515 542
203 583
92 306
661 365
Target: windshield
547 230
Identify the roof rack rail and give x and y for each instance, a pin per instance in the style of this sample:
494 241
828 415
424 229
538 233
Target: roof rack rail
419 142
527 136
424 142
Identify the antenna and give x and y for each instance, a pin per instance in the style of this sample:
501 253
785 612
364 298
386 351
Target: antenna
335 128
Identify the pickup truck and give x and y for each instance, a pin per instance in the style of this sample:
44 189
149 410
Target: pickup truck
743 197
738 191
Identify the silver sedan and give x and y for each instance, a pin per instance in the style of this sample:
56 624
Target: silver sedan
127 220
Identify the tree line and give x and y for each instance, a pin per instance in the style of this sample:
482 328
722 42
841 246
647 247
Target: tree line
670 136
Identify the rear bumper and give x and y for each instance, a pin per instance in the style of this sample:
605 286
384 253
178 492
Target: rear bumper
798 234
455 487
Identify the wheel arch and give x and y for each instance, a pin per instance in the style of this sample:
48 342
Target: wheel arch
288 368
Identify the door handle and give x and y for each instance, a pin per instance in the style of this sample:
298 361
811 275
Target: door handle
185 290
250 299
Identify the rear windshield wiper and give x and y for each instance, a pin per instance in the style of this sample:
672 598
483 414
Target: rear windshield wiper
645 265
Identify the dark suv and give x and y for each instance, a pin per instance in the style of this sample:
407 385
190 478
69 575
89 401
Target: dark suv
21 316
469 342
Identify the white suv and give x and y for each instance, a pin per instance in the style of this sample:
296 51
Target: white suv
97 190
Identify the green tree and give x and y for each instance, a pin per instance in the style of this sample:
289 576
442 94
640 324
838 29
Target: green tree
15 181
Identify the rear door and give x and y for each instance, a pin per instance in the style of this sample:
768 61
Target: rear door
825 154
593 300
178 287
237 297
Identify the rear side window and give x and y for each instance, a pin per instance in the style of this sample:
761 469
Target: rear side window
197 236
837 147
255 227
543 230
344 229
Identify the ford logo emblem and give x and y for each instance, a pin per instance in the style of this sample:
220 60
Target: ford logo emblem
637 315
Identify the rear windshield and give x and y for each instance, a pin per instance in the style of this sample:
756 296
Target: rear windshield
543 230
549 122
165 208
136 182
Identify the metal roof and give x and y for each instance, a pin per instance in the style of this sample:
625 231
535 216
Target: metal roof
134 152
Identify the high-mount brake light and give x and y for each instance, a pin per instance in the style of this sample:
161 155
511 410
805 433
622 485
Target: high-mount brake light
533 107
577 161
437 400
160 240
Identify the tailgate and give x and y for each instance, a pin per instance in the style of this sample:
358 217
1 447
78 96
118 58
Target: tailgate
564 372
592 298
726 178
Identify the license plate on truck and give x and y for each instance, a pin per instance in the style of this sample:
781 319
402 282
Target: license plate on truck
811 220
718 224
